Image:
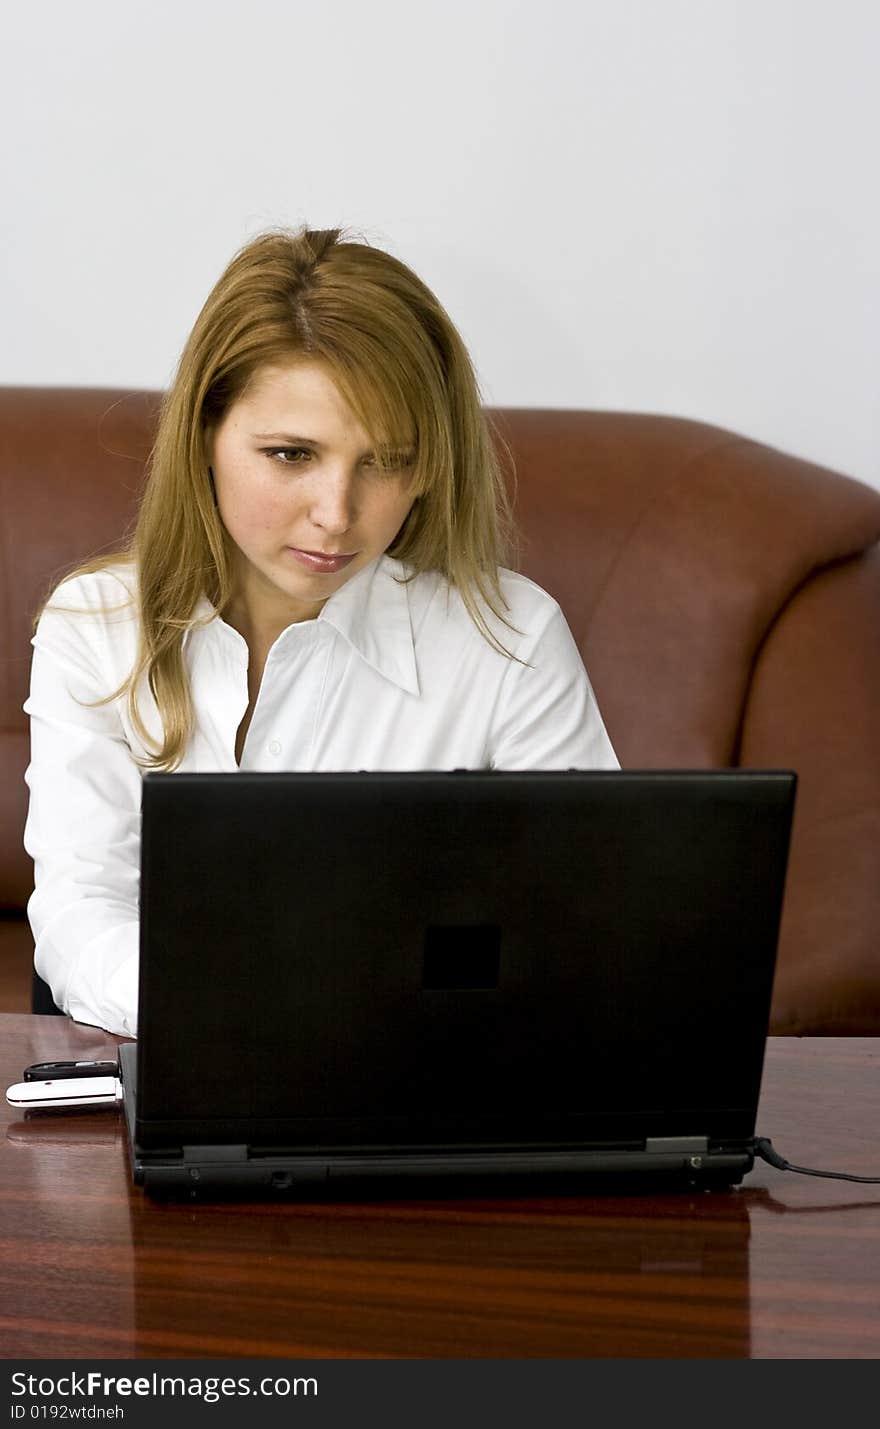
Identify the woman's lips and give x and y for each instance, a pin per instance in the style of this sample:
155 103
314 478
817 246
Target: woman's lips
315 561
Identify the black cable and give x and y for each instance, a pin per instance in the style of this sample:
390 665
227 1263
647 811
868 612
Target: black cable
764 1149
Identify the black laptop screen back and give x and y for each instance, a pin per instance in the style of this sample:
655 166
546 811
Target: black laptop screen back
412 959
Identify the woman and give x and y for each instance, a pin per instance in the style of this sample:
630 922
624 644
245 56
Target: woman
314 583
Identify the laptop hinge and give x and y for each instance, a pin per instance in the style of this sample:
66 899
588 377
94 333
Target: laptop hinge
678 1145
229 1152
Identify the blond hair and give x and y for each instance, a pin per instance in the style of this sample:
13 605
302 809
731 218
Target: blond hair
402 368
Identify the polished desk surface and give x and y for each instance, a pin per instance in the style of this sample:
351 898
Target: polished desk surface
785 1266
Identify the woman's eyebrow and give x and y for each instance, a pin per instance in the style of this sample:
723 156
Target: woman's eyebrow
285 437
290 440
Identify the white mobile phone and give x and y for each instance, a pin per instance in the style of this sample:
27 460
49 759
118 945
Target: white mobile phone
65 1094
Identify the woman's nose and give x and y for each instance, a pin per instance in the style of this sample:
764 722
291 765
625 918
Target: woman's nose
333 501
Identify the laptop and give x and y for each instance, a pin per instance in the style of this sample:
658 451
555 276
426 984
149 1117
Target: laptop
388 979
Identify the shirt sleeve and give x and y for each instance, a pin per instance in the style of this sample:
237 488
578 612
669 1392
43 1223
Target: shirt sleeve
83 826
547 717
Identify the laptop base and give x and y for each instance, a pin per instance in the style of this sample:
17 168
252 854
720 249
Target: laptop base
206 1171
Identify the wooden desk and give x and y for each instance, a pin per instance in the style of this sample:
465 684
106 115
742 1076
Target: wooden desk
786 1266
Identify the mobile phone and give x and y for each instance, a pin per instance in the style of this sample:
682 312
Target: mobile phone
62 1071
66 1094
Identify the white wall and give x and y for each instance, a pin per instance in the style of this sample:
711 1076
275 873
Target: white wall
656 205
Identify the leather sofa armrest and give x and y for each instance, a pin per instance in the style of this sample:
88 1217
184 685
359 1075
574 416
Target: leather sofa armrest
814 706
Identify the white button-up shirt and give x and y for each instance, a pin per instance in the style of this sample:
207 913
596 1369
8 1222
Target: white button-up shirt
390 676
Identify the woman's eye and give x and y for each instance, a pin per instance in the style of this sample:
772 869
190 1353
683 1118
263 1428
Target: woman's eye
288 456
392 461
299 456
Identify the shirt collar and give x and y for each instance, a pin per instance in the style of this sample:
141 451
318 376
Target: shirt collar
371 612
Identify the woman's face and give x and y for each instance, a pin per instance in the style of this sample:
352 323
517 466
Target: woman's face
299 493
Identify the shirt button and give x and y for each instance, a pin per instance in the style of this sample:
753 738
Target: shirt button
275 747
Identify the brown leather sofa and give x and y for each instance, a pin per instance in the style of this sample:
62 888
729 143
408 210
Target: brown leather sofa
725 596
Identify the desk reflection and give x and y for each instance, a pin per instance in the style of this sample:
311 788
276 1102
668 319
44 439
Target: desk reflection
498 1278
67 1273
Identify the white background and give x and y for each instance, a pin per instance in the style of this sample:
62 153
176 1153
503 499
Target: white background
653 205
